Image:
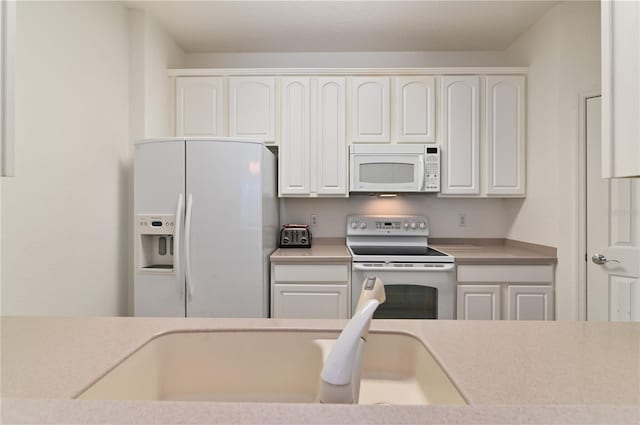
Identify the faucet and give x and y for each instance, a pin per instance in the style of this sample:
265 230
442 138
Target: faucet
340 375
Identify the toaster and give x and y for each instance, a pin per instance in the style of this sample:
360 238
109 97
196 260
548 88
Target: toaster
295 236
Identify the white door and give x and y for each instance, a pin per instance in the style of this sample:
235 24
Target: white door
415 109
295 142
613 231
199 106
505 124
223 252
478 302
252 107
370 104
330 137
460 135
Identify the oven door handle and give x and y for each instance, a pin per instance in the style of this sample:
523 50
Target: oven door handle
390 268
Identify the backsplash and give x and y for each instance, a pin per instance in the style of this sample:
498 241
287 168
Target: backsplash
482 217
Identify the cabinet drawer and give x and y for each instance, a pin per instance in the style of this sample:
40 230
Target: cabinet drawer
507 274
311 273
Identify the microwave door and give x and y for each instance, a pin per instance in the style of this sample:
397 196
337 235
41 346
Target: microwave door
388 173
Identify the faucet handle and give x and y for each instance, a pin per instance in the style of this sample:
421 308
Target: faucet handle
372 289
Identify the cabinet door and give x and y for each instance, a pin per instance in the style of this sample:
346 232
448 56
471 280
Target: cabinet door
295 143
505 123
330 138
620 88
460 135
199 106
529 302
370 109
307 301
478 302
252 107
415 109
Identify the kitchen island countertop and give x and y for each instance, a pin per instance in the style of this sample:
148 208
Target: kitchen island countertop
510 372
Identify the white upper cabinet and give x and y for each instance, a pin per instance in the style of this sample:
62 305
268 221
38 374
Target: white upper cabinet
313 162
330 137
460 135
294 141
620 88
199 106
415 109
370 103
505 118
252 107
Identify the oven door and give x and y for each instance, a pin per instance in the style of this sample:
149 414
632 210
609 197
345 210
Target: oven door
425 294
387 173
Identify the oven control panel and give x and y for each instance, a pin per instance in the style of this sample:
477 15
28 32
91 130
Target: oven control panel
387 225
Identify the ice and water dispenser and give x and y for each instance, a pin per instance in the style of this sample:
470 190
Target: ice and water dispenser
156 242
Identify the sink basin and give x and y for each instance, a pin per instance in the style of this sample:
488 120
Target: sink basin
270 366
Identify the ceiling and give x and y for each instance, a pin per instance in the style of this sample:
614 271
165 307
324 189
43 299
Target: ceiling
334 26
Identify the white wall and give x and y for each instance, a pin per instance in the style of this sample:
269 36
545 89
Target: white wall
64 251
485 217
346 59
562 51
152 53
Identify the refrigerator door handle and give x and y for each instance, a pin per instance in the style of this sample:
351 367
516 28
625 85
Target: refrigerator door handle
176 243
187 246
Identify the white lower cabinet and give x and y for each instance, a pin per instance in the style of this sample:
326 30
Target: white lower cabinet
310 291
304 301
513 292
478 302
529 302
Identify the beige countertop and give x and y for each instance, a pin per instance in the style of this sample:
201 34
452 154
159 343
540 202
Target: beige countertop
465 251
494 251
511 371
322 250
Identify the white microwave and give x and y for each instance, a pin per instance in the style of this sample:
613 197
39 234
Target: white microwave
394 168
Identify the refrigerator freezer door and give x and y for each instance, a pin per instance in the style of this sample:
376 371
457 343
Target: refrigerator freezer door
224 181
159 181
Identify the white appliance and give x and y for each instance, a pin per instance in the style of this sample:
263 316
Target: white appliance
394 168
419 281
206 221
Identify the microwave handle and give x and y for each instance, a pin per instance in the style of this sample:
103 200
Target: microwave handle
423 178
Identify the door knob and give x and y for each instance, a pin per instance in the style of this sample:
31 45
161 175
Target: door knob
601 259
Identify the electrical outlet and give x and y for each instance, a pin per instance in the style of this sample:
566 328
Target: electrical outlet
462 219
314 220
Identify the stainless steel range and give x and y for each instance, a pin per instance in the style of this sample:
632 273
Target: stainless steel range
419 280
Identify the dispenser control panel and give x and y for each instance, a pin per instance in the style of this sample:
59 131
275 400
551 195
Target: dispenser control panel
156 224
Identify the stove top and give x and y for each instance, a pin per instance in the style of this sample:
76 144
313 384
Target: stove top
397 251
392 239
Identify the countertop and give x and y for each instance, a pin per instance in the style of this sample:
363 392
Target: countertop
510 372
465 251
322 250
494 251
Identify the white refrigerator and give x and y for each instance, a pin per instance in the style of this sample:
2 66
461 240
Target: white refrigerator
206 221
